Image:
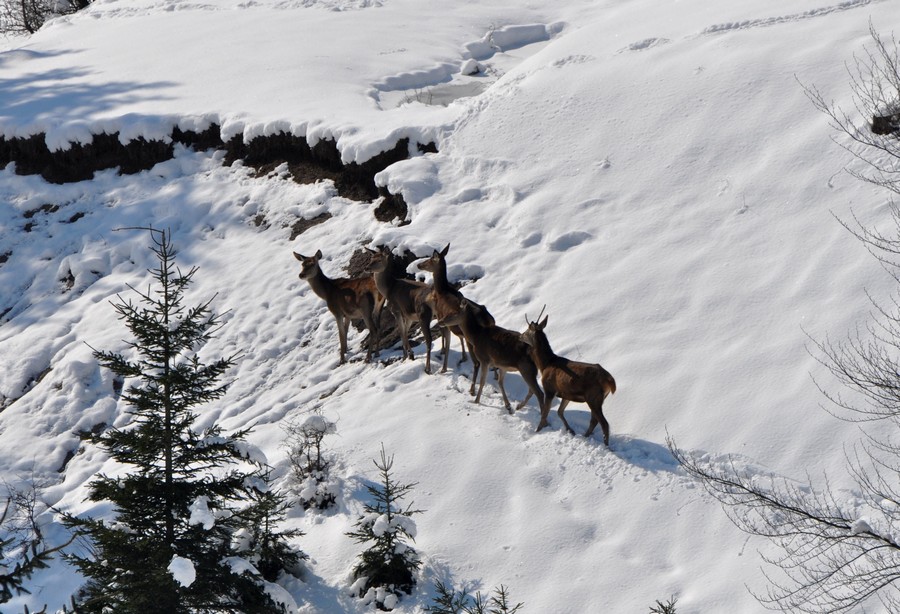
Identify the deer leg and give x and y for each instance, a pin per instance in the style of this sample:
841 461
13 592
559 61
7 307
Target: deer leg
562 408
476 364
545 409
597 417
502 373
445 347
529 374
484 370
369 319
342 341
463 343
403 324
424 324
525 400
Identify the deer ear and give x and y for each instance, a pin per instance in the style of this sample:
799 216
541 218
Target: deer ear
543 323
318 254
445 250
299 257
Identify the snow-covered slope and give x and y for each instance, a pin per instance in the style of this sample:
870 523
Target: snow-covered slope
651 172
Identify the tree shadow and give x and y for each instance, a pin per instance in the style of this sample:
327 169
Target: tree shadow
59 95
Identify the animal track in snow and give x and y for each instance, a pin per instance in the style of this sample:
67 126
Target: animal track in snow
573 59
569 240
771 21
645 44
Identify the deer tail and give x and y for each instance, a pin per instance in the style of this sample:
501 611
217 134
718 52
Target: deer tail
609 386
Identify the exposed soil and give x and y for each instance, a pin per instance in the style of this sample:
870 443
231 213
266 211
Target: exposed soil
306 164
303 224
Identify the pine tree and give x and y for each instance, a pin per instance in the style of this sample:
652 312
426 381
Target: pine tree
386 567
266 545
310 468
180 499
20 558
451 601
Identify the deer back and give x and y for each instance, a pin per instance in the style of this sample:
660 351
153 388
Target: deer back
570 379
495 344
578 381
354 295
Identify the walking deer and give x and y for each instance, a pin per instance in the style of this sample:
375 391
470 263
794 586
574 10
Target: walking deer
347 299
494 346
444 300
406 298
569 380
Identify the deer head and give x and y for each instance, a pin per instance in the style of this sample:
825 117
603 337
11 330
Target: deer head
433 263
310 264
534 328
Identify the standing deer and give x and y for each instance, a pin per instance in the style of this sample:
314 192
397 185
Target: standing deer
570 380
406 298
347 299
494 346
445 300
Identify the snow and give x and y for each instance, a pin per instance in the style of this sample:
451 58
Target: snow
182 570
860 525
651 172
201 514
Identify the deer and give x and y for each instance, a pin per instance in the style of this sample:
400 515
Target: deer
570 380
347 299
494 346
445 299
406 298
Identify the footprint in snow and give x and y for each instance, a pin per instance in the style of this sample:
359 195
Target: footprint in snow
569 240
643 45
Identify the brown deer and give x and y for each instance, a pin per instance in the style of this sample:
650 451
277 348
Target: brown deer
347 299
406 298
569 380
494 346
444 300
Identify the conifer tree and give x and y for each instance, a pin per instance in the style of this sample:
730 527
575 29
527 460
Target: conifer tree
20 558
385 569
266 545
171 545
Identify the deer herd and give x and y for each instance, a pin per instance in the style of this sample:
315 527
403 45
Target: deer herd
491 346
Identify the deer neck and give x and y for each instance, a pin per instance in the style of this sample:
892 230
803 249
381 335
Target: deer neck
321 284
542 352
384 281
469 324
441 284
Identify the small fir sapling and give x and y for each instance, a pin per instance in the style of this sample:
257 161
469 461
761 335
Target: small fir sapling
450 601
310 467
664 608
264 545
386 568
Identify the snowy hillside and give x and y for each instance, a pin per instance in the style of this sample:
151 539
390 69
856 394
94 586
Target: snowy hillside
651 172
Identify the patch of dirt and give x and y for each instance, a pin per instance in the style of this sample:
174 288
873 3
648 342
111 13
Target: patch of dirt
48 208
302 225
392 207
305 163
